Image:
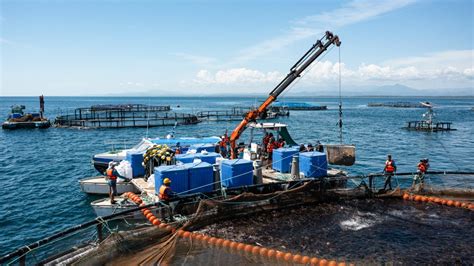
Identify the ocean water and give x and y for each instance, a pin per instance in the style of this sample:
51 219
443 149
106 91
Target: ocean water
40 169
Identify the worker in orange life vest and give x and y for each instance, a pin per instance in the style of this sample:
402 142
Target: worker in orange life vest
272 144
281 142
389 170
111 175
166 193
422 167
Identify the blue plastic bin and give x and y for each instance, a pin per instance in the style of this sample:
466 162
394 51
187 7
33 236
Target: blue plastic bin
201 177
210 157
236 173
136 159
201 147
282 158
179 175
313 164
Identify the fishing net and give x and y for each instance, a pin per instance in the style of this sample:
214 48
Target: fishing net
341 154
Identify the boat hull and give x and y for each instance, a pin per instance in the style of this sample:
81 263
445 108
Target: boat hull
98 185
20 125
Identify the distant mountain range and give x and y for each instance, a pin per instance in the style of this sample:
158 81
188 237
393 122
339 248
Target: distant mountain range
388 90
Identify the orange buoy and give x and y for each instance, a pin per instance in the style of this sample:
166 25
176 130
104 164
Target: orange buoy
406 196
436 200
169 228
279 255
314 261
198 237
205 239
219 242
255 250
457 204
212 240
271 253
341 264
417 198
444 202
424 199
332 263
471 206
149 215
263 252
226 243
146 211
450 203
305 260
297 258
186 234
240 246
156 222
162 225
248 248
233 245
288 257
180 232
323 262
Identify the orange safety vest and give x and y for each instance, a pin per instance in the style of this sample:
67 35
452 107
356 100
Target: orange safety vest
389 167
177 151
422 167
164 192
110 174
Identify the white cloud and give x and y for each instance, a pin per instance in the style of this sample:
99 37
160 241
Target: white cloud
420 72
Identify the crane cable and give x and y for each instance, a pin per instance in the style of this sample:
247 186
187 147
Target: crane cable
340 98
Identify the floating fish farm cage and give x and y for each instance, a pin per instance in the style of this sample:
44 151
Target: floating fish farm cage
301 222
397 105
427 126
296 106
124 115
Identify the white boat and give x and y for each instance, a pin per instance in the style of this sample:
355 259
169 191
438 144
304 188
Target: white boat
103 207
98 185
101 160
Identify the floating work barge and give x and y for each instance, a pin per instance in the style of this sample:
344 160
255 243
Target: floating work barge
18 119
427 126
237 113
124 115
397 105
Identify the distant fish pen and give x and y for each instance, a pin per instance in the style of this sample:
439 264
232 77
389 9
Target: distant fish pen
237 113
397 105
124 115
295 106
427 126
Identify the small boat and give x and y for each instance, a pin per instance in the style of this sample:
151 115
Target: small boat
297 106
103 207
98 185
101 160
428 124
18 119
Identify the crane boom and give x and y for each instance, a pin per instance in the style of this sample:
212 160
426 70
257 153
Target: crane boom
312 54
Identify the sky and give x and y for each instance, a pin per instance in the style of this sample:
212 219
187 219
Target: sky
86 47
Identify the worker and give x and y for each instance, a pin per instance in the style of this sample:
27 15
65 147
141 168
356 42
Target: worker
165 195
270 147
319 147
111 176
422 167
389 170
281 142
223 147
178 148
302 148
310 147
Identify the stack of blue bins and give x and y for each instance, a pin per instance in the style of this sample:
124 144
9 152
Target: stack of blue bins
188 178
236 173
313 164
203 147
136 159
179 175
201 177
282 158
209 157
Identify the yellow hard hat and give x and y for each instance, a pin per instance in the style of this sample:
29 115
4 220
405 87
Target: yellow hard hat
166 181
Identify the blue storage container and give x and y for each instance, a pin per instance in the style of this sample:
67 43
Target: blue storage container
210 157
185 158
178 174
282 158
136 159
313 164
201 177
236 173
16 115
201 147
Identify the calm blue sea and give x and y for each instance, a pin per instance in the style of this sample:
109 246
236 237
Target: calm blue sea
40 169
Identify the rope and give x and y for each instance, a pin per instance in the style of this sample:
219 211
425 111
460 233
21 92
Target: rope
340 97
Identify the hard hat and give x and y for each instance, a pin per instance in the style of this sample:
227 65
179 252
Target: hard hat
166 181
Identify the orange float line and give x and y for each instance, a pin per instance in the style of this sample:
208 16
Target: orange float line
441 201
271 254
